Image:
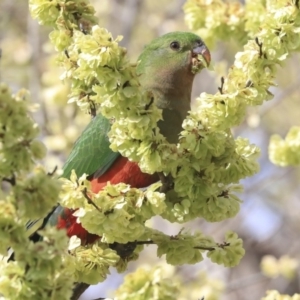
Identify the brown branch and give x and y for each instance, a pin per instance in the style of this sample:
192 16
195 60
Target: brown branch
79 289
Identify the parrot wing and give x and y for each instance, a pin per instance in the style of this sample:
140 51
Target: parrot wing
91 153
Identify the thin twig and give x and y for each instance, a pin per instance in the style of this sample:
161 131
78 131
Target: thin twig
53 172
11 180
259 46
222 85
145 242
213 248
66 53
147 106
93 109
249 84
89 200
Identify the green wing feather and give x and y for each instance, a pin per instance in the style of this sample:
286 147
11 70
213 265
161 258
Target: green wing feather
91 153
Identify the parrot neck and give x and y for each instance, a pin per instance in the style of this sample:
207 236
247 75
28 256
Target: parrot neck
174 98
170 82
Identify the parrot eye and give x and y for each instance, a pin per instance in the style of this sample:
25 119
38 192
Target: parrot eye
199 42
175 46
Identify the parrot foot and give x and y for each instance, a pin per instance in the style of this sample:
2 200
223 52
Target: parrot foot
167 182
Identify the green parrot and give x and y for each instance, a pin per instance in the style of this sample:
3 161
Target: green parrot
165 69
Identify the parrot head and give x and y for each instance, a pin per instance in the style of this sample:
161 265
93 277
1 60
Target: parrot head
166 69
175 52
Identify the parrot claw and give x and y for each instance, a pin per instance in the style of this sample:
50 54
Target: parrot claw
167 183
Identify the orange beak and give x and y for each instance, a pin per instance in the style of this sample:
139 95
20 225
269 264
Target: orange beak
203 50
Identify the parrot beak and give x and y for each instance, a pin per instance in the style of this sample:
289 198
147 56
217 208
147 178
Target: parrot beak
201 49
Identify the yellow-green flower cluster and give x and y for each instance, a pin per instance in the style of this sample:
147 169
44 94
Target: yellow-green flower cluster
254 69
202 286
172 285
285 266
212 158
28 192
147 284
180 249
216 20
210 166
285 152
275 295
64 16
230 253
12 231
30 186
187 248
38 271
120 211
254 15
17 133
91 263
36 190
